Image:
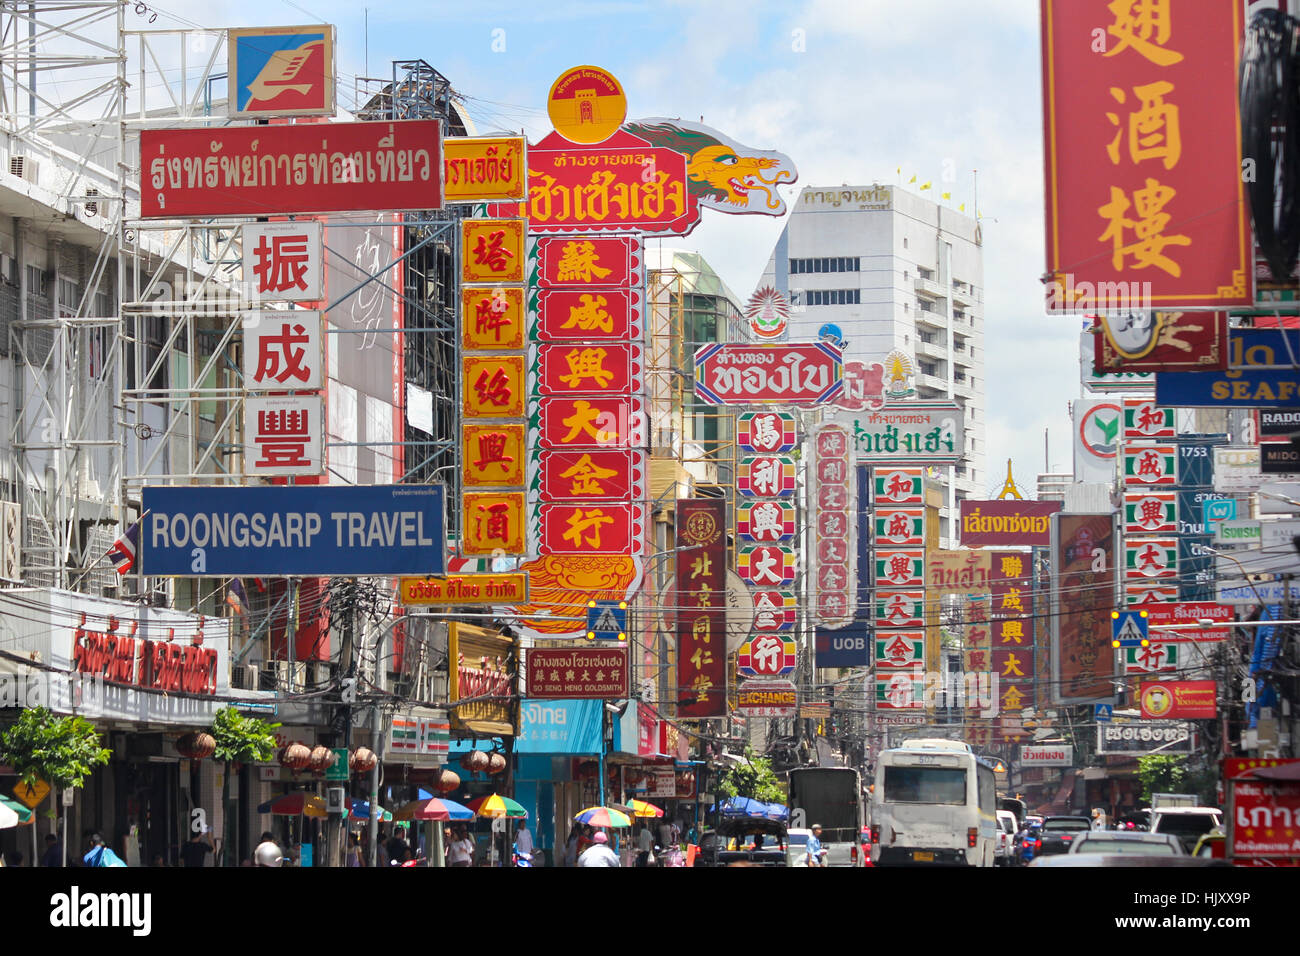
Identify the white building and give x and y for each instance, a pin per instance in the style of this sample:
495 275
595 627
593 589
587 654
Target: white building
892 271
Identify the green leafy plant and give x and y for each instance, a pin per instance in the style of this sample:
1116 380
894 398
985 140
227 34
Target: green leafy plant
1161 773
239 740
62 751
754 779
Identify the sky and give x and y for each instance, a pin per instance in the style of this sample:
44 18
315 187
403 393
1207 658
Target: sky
850 90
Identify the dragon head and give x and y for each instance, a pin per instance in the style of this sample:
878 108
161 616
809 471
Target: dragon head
723 174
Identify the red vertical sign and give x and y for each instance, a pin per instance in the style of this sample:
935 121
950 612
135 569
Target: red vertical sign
702 620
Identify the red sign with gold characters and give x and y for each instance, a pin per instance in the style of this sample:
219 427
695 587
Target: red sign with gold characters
591 422
581 262
492 250
702 621
592 474
1145 194
621 185
601 527
591 315
278 170
1161 342
614 368
588 673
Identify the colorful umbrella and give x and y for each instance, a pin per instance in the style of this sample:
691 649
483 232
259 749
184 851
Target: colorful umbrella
295 804
25 814
603 817
361 810
8 818
434 808
640 808
496 806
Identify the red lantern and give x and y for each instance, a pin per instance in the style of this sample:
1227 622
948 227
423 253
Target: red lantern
476 761
362 760
196 745
448 781
322 758
296 756
496 763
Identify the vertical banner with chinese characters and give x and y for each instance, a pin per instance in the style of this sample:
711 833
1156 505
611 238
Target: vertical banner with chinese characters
1012 638
851 646
283 432
1146 205
702 616
899 596
493 387
835 558
1082 595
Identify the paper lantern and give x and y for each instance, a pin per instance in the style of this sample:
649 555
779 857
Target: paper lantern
448 781
476 761
196 745
296 756
322 758
496 763
362 760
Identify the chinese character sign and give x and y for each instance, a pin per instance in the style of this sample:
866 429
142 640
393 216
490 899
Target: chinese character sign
282 261
1145 194
282 351
1083 595
1012 633
282 435
492 318
492 250
702 617
835 568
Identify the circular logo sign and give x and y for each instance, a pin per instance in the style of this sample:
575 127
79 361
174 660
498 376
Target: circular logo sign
1099 429
767 311
701 528
586 105
1156 700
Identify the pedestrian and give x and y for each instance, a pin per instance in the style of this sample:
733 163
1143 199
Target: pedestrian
645 845
598 854
461 850
13 858
158 860
571 846
524 843
354 849
398 850
194 853
816 855
53 855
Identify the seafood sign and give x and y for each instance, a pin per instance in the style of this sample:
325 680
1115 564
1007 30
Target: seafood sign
264 170
738 374
914 432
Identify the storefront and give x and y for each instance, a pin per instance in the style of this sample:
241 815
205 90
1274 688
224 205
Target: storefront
555 738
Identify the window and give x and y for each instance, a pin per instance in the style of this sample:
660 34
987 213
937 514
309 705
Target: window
927 368
828 297
925 785
825 264
928 337
905 242
924 305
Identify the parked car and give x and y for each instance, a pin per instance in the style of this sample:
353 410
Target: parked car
1057 833
1004 853
1127 843
1188 824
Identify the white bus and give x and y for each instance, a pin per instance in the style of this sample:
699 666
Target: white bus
933 803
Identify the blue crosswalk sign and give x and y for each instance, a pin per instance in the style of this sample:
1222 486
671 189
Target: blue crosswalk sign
1128 628
1101 713
607 620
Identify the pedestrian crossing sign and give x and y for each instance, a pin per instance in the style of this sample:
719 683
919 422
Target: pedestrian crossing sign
607 620
1128 628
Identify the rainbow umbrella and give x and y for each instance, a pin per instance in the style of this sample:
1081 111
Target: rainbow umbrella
295 804
603 817
25 814
434 808
495 806
640 808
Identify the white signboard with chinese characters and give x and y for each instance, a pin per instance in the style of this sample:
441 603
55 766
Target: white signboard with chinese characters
282 261
282 435
282 351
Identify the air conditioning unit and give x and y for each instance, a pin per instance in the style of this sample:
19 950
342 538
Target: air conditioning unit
11 541
245 676
92 208
24 167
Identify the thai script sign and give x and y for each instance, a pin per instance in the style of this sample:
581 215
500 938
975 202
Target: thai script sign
153 664
231 531
1055 755
281 71
1161 341
1178 699
577 673
283 261
795 374
1168 737
1007 523
456 589
483 168
279 170
921 432
621 185
1133 135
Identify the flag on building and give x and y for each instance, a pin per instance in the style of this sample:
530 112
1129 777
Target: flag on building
237 597
927 185
123 551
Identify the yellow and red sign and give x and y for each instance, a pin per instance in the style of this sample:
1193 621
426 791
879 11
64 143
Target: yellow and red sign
493 454
483 168
492 318
601 527
1146 206
1179 699
586 105
492 250
492 386
456 589
578 369
492 523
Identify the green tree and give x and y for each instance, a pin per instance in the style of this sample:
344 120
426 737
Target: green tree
753 779
239 740
1162 773
62 751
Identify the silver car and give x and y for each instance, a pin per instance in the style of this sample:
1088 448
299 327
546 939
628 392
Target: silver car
1127 843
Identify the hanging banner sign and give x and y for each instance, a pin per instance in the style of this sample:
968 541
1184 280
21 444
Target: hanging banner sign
592 474
1146 421
900 648
283 261
920 432
1178 699
282 351
768 433
766 566
1007 523
900 527
765 521
266 530
580 262
492 454
603 527
702 620
1166 737
767 698
1133 135
492 318
282 435
903 609
1161 341
613 368
1150 465
898 486
791 374
455 589
593 315
576 673
568 423
1152 512
483 168
282 170
492 523
767 655
621 185
771 477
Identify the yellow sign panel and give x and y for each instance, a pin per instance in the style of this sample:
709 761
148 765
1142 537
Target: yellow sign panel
31 796
493 455
492 386
492 250
493 523
481 669
435 591
586 105
483 168
492 317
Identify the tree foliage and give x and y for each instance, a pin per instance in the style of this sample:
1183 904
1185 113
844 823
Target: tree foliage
62 751
242 739
753 779
1162 773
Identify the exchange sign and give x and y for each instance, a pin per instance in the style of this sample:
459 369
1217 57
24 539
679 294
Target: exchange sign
767 698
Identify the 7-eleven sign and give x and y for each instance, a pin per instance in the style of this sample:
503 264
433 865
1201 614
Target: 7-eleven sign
900 648
1150 558
1150 465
